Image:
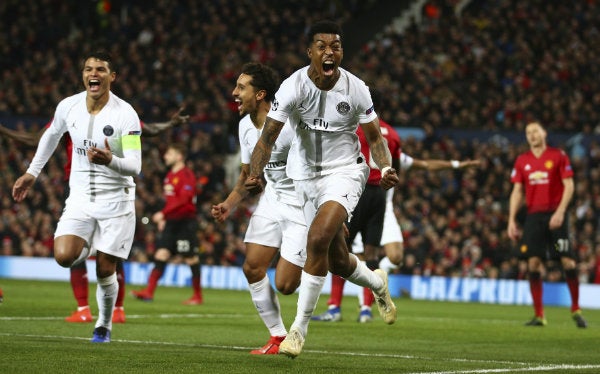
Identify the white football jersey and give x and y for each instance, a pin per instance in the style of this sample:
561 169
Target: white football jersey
278 183
89 181
324 122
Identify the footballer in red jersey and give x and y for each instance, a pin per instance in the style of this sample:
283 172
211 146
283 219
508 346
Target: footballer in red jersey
545 176
177 225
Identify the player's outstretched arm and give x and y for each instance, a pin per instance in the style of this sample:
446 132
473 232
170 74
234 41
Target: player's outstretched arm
26 138
434 165
221 211
155 128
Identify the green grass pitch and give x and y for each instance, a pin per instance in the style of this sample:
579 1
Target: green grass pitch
165 336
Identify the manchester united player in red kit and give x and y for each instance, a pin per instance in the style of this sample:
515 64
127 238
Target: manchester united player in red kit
546 175
177 225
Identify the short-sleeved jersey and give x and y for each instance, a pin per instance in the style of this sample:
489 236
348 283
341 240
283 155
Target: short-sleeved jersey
324 122
393 141
542 178
179 190
278 183
88 181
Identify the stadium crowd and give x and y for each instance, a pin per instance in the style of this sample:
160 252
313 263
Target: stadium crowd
495 67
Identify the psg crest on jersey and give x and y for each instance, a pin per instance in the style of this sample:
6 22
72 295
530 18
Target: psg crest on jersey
108 130
343 107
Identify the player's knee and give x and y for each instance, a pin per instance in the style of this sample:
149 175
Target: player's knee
162 255
63 257
104 272
395 258
318 241
253 273
63 261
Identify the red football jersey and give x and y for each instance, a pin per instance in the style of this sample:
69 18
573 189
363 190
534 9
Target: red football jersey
542 178
394 144
180 194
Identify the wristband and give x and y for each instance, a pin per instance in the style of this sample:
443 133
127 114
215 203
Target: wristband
455 164
385 170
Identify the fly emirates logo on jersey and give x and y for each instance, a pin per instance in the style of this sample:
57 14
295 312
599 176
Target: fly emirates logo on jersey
87 143
318 124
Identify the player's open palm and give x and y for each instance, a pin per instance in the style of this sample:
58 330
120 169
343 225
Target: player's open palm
22 186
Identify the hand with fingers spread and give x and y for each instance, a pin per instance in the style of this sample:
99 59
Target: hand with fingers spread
177 119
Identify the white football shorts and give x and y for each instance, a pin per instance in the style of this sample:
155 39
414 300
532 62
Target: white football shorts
279 225
344 186
107 227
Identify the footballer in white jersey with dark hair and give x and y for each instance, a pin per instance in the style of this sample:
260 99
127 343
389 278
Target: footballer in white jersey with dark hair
325 104
99 214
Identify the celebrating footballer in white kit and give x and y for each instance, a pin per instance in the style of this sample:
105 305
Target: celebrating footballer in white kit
277 224
99 213
324 104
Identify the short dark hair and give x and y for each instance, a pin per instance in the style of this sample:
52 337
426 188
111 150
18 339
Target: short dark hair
179 148
102 56
323 27
263 78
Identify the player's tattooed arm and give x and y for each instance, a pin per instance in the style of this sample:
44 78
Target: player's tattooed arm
262 154
262 151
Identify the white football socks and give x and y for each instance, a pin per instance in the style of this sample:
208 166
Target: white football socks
365 277
308 296
267 305
106 295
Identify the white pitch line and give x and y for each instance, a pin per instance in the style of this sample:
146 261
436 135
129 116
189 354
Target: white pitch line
523 366
519 370
241 348
133 316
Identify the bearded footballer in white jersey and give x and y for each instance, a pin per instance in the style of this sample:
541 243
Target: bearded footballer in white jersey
324 104
99 213
277 224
